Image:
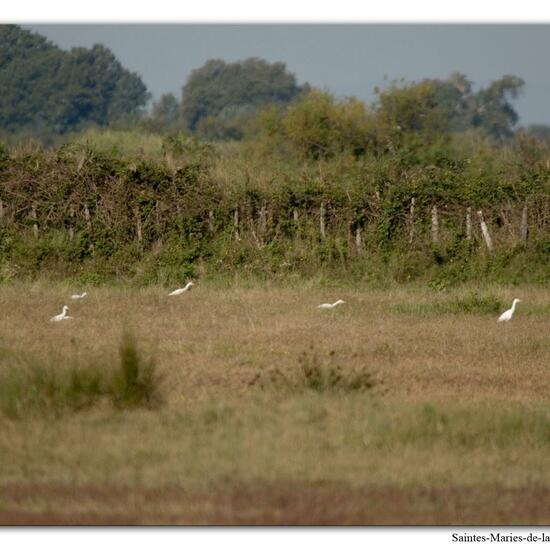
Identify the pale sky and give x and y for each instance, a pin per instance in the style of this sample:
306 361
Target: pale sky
345 59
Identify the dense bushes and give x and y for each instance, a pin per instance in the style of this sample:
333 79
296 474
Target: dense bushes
187 208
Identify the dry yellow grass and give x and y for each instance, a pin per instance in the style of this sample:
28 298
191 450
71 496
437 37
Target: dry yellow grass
463 401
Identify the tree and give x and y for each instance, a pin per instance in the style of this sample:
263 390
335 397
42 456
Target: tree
45 88
412 108
319 126
494 112
220 89
434 106
455 100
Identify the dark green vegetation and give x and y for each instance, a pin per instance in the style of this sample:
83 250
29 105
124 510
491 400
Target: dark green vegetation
48 91
264 209
220 98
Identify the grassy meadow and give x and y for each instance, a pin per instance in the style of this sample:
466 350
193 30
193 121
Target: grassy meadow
241 402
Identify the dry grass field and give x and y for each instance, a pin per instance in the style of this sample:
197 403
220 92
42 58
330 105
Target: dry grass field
404 406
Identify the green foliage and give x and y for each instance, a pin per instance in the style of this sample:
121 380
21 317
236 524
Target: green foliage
494 111
180 194
409 110
318 126
473 303
49 90
220 89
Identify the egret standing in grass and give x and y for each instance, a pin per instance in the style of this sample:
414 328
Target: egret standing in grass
507 315
79 296
62 316
181 290
331 306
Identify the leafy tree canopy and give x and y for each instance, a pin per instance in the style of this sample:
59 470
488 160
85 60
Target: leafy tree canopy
220 89
47 89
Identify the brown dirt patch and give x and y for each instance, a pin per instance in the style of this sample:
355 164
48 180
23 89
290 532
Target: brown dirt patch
306 505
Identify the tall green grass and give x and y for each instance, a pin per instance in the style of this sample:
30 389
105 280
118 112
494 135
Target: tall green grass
473 303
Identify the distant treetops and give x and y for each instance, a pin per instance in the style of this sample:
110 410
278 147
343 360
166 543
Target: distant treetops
49 90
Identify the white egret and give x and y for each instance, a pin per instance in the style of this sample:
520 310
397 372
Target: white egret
79 296
62 316
507 315
181 290
331 306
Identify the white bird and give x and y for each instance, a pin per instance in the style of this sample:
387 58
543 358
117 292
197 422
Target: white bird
331 306
181 290
507 315
79 296
62 316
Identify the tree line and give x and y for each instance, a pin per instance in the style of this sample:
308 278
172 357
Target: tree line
49 91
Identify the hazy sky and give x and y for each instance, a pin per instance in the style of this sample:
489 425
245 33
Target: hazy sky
346 59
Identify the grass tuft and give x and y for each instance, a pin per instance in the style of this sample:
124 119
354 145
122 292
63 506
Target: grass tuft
34 385
314 374
135 383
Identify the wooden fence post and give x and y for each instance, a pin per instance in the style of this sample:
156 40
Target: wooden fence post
485 232
411 221
139 229
157 216
322 220
295 215
358 241
71 225
236 223
435 225
1 211
211 221
469 223
523 228
35 221
87 217
263 218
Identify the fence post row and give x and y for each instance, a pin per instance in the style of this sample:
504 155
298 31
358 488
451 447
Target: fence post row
265 219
